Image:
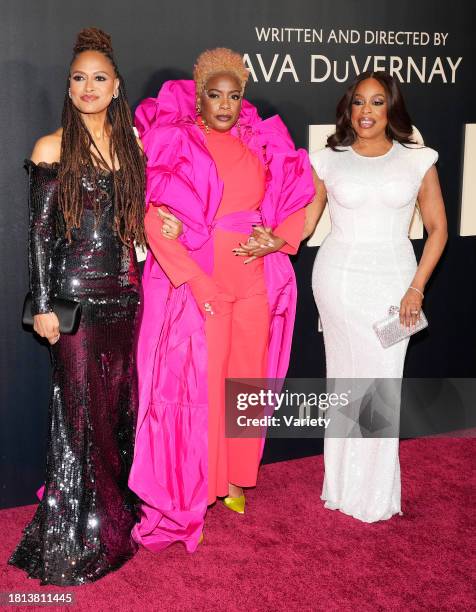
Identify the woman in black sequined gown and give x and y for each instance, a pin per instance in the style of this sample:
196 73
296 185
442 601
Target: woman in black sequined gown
81 529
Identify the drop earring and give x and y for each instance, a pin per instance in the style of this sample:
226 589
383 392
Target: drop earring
69 93
200 119
115 95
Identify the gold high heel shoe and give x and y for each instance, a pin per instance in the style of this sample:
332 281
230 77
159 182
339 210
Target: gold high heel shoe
237 504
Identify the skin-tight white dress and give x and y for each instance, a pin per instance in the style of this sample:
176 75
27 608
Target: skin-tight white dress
364 266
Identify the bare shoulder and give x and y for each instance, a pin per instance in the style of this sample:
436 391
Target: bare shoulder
48 148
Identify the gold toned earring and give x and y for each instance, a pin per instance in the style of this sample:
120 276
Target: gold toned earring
204 123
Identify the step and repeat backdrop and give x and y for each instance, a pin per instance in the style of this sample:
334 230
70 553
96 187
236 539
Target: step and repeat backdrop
301 56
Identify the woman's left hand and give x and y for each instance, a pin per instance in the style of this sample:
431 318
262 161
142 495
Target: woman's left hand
410 308
172 227
260 243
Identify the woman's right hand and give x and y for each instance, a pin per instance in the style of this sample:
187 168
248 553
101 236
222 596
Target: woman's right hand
47 326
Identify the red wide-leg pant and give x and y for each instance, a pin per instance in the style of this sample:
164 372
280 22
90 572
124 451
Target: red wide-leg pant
237 348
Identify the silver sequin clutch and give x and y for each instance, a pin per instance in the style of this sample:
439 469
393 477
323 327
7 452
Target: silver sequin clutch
389 331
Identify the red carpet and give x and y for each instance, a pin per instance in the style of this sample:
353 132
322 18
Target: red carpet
287 552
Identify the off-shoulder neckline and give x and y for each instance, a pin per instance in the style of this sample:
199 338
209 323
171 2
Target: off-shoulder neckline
42 164
55 166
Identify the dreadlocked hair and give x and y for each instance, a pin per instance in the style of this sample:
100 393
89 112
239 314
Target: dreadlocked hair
79 154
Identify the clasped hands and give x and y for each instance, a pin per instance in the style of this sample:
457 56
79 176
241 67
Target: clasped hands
211 298
261 242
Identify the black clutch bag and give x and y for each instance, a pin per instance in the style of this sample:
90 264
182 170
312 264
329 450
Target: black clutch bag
67 311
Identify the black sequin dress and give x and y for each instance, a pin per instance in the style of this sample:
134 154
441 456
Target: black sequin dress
81 528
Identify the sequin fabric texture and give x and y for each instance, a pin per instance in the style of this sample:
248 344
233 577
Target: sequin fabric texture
81 528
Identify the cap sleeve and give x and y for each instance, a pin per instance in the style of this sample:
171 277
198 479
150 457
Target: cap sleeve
320 162
427 157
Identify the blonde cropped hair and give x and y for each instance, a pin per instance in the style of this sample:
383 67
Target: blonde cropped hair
216 61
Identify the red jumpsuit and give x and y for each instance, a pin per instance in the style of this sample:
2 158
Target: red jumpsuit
237 334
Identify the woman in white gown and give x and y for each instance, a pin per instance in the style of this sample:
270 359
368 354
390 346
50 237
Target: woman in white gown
371 174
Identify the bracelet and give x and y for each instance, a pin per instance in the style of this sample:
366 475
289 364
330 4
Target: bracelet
417 290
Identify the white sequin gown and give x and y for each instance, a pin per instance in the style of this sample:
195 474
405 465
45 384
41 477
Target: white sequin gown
364 266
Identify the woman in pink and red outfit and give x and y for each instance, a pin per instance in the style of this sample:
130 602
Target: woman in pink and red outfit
209 314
